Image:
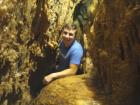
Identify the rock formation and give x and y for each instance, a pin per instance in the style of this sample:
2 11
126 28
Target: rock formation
109 32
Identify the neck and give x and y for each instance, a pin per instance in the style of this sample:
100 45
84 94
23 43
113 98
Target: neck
68 44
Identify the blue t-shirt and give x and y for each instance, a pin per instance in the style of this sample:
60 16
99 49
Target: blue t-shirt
69 55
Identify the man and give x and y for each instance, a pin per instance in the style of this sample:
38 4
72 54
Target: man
70 56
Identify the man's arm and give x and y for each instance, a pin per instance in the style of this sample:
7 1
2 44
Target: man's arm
67 72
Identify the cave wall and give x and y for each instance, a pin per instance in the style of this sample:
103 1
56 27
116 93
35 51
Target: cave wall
26 28
112 31
116 54
46 25
112 42
112 37
15 23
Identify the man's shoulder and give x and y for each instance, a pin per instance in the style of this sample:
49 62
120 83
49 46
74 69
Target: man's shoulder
76 48
77 45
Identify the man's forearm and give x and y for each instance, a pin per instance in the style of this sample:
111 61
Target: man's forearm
67 72
64 73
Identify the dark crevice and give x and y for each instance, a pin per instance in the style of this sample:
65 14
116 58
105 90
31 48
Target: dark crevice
40 22
82 15
129 47
138 64
4 69
44 66
132 37
135 33
121 50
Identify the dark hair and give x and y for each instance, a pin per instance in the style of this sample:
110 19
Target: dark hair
69 26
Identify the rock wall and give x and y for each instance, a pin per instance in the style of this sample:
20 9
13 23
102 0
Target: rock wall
112 38
26 28
109 32
117 50
15 23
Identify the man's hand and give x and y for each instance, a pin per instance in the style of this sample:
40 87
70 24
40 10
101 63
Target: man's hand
67 72
47 79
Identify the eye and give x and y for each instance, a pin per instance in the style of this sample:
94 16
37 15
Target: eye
70 34
65 32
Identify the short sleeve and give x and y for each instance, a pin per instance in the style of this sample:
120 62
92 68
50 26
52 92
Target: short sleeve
76 56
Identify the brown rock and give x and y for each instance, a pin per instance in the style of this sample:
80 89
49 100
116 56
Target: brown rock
74 90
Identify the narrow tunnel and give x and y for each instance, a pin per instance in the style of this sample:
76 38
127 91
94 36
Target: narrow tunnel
111 63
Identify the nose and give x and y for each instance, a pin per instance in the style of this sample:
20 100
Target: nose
67 35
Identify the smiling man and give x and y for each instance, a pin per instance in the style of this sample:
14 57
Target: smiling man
70 54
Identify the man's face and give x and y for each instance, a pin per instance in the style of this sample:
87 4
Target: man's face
68 36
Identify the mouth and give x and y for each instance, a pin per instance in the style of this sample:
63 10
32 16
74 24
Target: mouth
67 39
